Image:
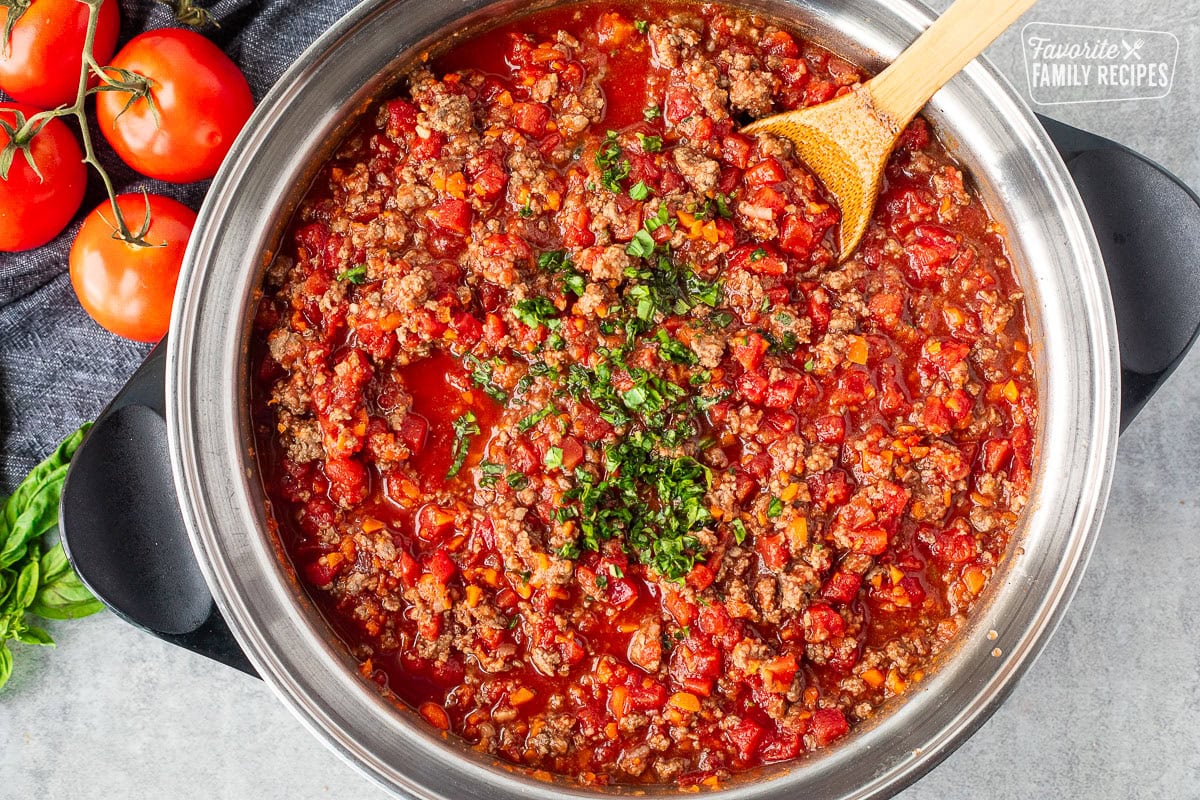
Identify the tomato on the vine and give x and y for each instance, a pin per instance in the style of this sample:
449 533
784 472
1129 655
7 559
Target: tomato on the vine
45 54
127 287
33 208
200 103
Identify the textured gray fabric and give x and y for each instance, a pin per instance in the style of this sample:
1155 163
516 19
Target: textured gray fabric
57 367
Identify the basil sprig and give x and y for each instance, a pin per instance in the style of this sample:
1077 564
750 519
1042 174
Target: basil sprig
35 579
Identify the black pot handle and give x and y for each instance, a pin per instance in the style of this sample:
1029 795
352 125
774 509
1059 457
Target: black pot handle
124 534
122 529
1147 222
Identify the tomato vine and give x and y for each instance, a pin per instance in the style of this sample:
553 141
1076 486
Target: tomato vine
109 79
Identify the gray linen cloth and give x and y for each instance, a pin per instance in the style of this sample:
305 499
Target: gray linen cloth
58 368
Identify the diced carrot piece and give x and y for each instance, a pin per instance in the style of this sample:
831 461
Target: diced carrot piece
873 678
974 578
858 351
435 715
685 701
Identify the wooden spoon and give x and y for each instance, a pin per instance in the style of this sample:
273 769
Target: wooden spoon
846 141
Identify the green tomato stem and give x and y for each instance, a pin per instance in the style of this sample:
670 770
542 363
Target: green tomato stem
79 110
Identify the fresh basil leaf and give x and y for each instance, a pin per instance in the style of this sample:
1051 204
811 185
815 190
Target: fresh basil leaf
38 476
27 585
8 585
37 517
6 664
61 595
32 634
53 565
67 598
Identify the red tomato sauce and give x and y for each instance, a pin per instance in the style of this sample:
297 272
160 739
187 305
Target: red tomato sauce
585 444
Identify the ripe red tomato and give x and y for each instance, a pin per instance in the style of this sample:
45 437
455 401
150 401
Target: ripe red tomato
202 98
33 210
129 288
42 65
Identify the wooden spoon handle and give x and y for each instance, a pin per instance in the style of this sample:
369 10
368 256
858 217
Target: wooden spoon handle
945 47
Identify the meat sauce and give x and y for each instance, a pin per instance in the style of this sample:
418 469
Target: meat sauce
583 442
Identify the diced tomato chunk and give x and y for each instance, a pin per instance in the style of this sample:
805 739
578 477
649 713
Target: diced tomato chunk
954 546
782 393
401 118
782 746
348 482
452 215
830 429
572 453
745 737
842 587
320 574
822 623
679 104
531 118
753 386
797 235
434 523
828 725
996 453
414 430
780 43
427 148
749 350
773 550
441 566
736 150
764 172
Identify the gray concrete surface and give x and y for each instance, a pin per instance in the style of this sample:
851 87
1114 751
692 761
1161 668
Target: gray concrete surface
1109 712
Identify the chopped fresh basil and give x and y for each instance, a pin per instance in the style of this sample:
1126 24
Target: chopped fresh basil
557 262
464 427
639 191
481 374
661 217
642 245
651 144
535 311
671 349
774 508
534 418
491 472
723 202
356 275
613 167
